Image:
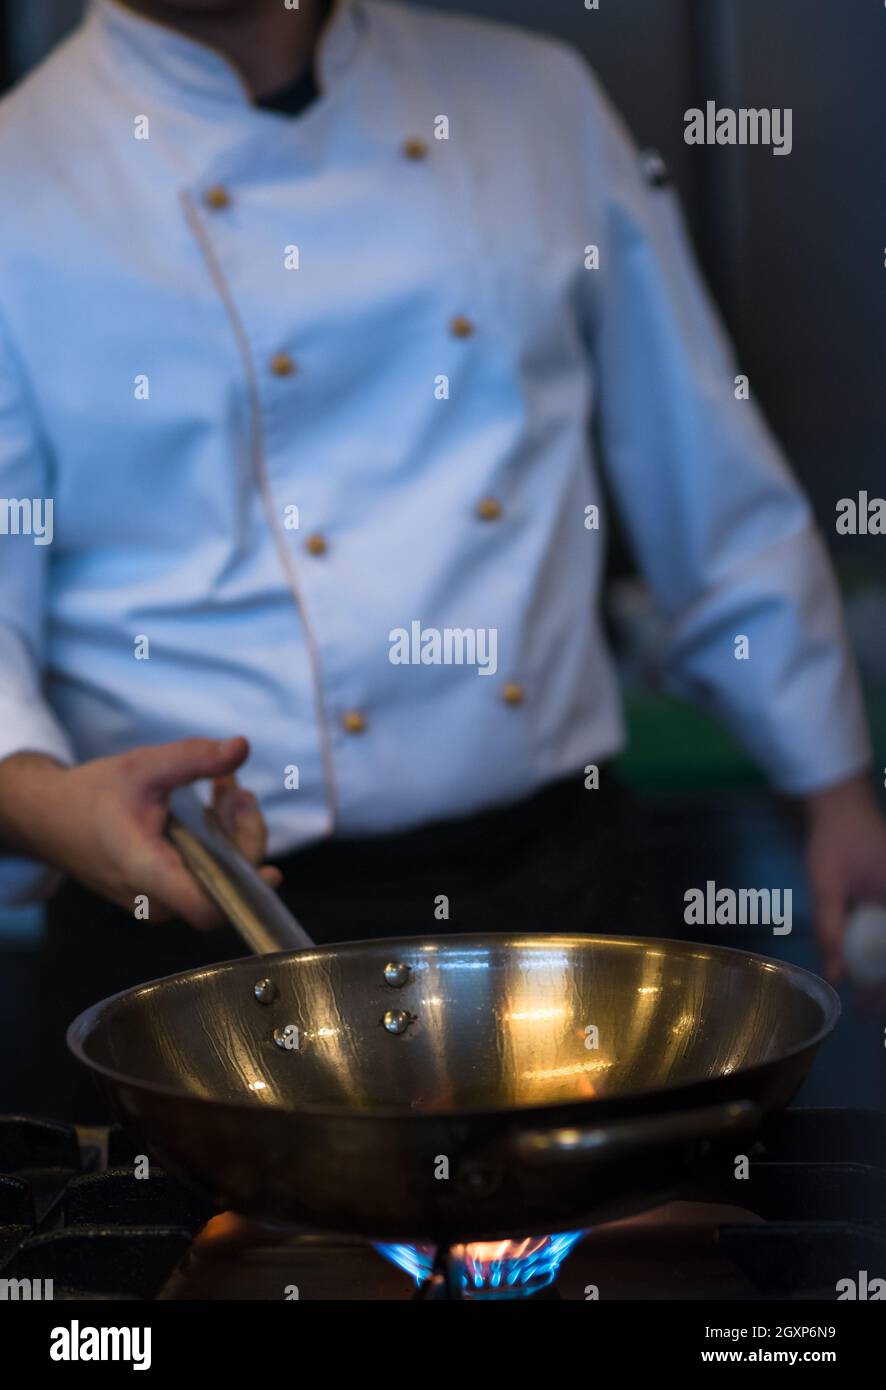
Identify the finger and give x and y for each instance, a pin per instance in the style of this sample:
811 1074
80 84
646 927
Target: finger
244 823
224 793
830 925
271 875
222 787
171 765
169 882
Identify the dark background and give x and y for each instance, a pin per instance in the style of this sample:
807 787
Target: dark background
794 249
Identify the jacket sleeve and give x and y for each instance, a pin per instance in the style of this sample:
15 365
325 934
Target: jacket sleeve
26 721
719 526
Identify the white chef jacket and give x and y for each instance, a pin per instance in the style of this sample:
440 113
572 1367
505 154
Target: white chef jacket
246 321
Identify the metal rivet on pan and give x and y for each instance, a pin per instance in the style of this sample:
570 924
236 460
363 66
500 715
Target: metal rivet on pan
287 1037
397 1020
396 973
265 991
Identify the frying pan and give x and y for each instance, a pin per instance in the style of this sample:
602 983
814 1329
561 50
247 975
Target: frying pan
447 1088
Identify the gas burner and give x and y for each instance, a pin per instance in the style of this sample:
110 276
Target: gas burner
810 1214
488 1269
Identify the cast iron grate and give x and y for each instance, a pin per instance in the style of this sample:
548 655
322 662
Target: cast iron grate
96 1231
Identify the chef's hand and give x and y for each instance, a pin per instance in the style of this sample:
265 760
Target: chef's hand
846 860
103 822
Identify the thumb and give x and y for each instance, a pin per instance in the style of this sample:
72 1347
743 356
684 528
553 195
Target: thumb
171 765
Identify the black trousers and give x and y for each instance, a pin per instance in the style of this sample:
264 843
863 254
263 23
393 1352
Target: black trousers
567 859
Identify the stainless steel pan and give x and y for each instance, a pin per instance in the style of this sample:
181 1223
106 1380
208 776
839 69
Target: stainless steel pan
448 1088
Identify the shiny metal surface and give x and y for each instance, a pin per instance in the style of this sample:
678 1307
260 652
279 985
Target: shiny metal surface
262 920
397 974
265 991
396 1021
523 1052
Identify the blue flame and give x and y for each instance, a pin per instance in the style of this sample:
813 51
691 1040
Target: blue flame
512 1275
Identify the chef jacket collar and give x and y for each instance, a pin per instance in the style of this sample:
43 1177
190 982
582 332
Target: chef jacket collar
188 68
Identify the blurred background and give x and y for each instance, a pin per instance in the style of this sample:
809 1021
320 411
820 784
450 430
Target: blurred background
793 249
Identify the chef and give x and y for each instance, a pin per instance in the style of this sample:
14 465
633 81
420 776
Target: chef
304 316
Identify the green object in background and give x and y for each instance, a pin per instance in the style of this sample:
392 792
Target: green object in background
676 747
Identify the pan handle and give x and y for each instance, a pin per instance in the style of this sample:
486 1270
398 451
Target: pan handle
258 915
623 1139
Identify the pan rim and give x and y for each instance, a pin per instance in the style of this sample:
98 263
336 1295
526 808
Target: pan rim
819 989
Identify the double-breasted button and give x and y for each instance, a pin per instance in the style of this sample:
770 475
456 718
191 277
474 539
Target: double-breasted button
512 693
316 544
413 148
655 169
353 722
461 326
489 509
282 364
217 198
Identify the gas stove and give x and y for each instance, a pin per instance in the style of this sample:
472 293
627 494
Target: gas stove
83 1208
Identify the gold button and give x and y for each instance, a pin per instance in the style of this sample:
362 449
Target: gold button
217 197
414 148
316 545
353 722
461 326
282 364
488 509
512 693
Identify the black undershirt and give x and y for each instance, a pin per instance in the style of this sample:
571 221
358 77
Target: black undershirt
294 97
298 94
